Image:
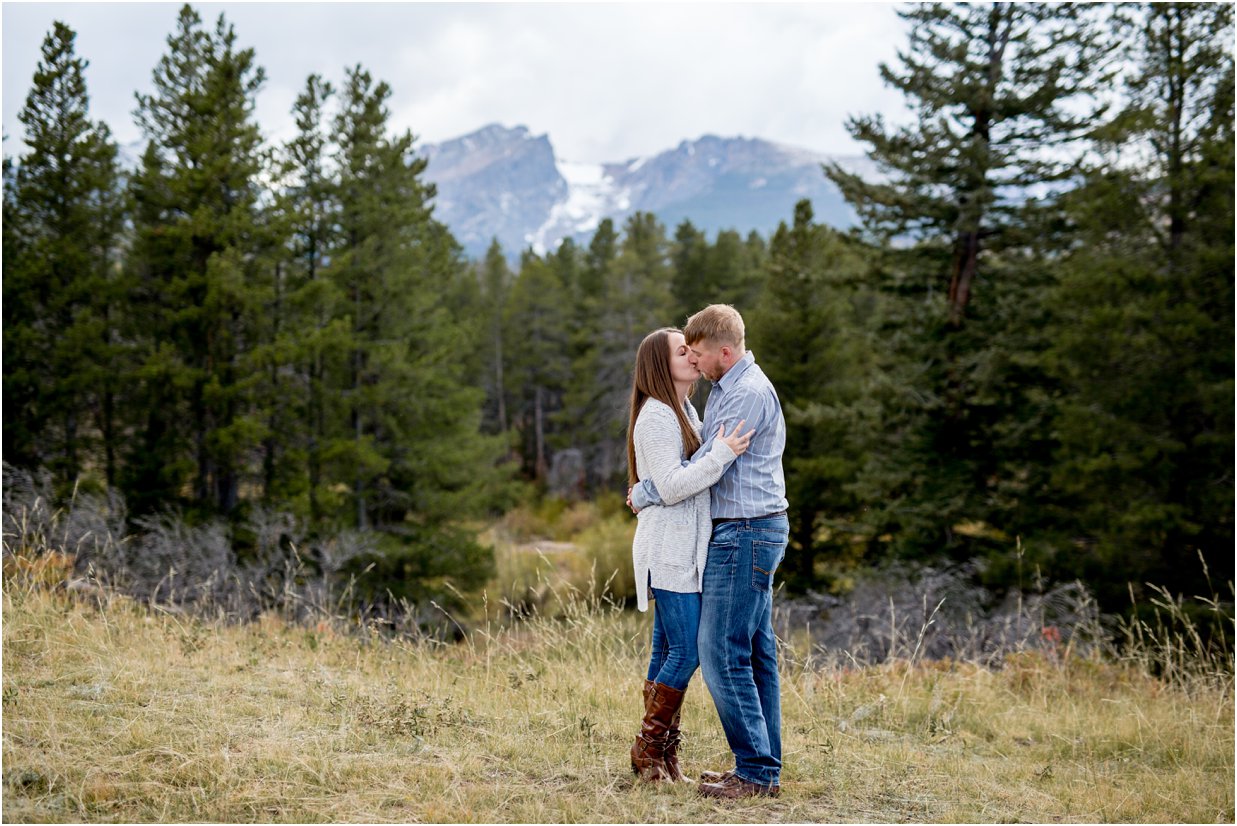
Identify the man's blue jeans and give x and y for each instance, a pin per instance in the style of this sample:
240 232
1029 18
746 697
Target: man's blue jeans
738 652
676 625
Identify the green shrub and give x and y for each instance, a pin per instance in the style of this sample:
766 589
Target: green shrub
419 565
606 545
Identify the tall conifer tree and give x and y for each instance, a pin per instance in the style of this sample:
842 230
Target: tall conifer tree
304 345
735 270
61 286
690 286
1143 333
812 331
583 414
569 473
495 289
995 88
413 444
633 300
195 260
539 359
1003 96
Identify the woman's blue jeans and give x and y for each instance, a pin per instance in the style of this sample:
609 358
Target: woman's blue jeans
676 626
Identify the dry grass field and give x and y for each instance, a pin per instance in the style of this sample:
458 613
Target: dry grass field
116 711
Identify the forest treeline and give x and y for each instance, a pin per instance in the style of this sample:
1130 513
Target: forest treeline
1023 355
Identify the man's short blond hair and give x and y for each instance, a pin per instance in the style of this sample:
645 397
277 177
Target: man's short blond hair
720 324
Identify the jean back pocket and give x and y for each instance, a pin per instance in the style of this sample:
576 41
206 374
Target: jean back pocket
766 556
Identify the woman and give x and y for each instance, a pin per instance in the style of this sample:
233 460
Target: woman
671 542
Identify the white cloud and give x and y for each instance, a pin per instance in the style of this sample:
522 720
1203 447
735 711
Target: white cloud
606 81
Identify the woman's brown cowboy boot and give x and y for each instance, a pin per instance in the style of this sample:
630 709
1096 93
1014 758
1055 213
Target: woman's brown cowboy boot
648 753
674 738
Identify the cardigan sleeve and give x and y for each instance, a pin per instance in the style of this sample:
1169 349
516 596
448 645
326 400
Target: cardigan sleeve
659 444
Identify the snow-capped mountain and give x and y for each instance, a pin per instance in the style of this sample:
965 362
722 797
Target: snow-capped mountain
507 183
495 182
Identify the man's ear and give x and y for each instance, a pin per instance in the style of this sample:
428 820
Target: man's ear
727 354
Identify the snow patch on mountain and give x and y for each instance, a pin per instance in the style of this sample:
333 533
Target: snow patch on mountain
592 194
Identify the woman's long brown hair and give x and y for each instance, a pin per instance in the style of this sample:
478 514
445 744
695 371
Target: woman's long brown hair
651 379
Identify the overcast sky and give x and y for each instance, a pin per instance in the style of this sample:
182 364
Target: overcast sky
607 82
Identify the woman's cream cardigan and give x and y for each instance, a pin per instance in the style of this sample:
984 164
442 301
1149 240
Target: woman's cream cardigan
672 539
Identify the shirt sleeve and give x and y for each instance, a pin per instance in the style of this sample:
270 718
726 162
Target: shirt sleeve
645 494
738 405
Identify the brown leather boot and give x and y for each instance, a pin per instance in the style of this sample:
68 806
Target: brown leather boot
736 788
715 777
674 738
648 753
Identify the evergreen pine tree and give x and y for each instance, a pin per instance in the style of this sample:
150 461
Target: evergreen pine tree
495 289
584 421
412 444
307 301
812 333
1143 333
568 472
691 286
995 88
62 291
196 264
735 268
539 359
1000 92
635 300
728 271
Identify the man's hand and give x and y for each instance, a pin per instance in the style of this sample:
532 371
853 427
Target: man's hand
634 509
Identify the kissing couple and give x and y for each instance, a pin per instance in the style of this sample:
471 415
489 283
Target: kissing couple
710 500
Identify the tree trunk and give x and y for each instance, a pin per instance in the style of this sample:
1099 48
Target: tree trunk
1176 45
314 414
971 204
358 486
315 435
201 485
108 413
70 442
109 437
499 388
540 469
272 420
965 265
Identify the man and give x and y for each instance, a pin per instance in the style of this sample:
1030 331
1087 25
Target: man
738 651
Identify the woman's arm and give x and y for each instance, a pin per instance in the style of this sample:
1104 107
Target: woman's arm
658 443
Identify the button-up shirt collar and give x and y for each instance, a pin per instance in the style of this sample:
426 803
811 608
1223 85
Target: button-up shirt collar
736 371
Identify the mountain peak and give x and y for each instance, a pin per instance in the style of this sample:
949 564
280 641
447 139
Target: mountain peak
506 183
486 139
498 132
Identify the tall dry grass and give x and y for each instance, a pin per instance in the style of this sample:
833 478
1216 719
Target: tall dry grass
115 710
143 695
